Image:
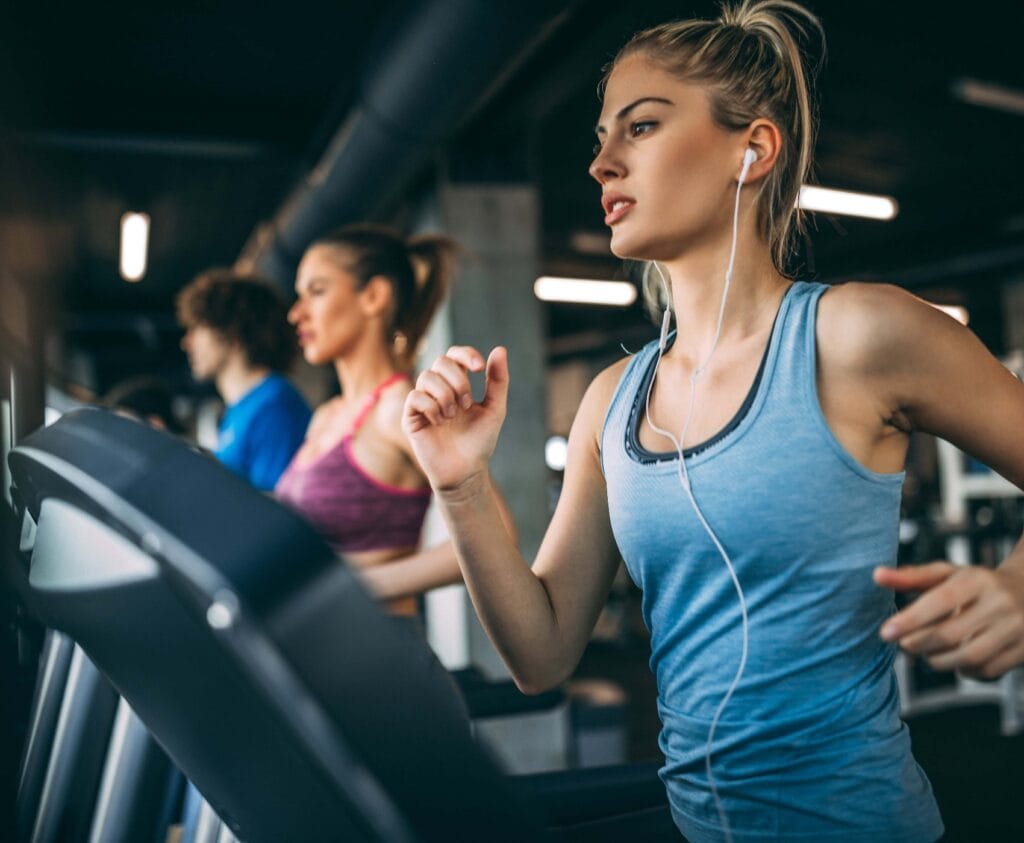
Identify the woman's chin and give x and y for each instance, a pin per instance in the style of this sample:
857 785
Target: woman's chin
628 244
645 249
309 354
630 250
620 249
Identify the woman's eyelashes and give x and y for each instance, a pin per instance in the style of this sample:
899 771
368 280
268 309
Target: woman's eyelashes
641 127
635 129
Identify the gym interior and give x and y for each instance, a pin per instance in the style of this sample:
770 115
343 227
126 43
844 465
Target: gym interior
166 626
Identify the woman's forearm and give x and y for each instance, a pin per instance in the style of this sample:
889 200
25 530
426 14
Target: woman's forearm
512 602
421 572
413 575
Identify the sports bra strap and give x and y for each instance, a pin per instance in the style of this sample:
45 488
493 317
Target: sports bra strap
373 398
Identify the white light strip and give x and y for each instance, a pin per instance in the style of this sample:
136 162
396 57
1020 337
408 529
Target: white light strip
846 202
584 291
134 245
956 311
988 95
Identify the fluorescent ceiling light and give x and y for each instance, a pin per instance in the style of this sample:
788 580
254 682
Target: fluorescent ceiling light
584 291
846 202
134 245
956 311
988 95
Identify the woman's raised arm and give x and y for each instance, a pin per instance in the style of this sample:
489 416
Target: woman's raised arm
539 619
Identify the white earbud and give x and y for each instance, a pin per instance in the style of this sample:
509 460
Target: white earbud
749 157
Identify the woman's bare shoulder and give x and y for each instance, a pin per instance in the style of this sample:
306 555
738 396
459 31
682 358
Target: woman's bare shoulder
866 325
388 413
326 418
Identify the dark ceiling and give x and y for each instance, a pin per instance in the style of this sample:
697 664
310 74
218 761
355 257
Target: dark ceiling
206 115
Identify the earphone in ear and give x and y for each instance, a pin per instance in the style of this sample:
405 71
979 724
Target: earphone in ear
749 157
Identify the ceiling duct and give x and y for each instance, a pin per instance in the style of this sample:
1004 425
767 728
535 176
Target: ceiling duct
441 64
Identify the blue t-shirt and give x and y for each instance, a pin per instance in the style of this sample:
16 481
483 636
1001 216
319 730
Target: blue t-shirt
262 430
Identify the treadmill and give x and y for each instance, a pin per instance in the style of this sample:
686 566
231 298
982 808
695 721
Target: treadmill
261 666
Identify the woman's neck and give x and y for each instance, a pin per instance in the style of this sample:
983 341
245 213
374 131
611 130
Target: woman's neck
697 283
364 369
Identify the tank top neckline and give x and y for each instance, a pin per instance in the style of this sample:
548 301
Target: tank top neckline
639 454
345 442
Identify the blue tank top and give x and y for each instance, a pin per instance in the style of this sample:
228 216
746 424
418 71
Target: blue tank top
811 747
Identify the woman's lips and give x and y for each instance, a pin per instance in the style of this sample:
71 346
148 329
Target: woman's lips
619 209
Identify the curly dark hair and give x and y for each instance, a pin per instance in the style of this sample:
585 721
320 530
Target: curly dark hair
243 309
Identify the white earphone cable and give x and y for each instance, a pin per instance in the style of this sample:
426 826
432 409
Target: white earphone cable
684 480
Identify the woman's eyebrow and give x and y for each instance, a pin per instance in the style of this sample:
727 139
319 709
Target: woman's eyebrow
309 282
599 129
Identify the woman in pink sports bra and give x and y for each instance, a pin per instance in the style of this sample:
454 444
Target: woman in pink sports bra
365 299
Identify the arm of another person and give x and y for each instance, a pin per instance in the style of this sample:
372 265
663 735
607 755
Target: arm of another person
942 380
539 619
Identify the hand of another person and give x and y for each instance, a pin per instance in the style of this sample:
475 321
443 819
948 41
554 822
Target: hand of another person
968 619
452 436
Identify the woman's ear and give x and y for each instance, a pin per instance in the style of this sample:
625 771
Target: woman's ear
377 297
764 137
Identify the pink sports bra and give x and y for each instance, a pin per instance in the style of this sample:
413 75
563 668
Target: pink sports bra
351 509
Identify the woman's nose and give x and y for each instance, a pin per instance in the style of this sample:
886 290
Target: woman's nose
605 166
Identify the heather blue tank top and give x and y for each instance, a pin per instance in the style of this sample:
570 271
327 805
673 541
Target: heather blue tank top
811 747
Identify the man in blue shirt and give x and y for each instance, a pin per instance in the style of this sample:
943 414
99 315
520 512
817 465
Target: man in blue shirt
237 335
